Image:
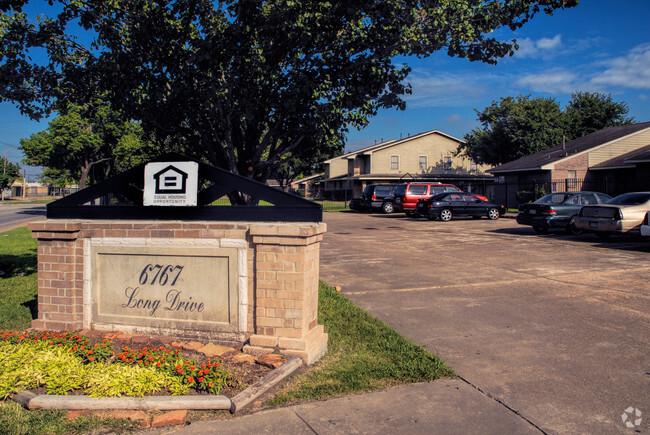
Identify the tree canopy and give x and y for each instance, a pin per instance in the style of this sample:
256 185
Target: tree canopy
512 128
244 84
9 172
589 112
84 139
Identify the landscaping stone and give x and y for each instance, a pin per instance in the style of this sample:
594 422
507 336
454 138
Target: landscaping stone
272 360
71 415
192 345
162 340
243 358
169 418
140 339
211 350
138 416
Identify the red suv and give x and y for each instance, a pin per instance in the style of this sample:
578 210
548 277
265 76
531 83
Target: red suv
407 195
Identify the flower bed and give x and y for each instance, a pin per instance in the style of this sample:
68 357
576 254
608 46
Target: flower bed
72 363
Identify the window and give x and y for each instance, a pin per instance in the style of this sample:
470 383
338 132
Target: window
417 189
423 163
589 199
394 163
469 198
447 163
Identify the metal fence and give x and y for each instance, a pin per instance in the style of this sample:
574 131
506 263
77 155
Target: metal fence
513 194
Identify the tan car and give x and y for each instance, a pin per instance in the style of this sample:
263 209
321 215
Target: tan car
623 214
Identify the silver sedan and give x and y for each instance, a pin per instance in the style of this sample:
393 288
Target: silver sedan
623 214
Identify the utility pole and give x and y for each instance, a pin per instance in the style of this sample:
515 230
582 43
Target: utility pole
24 181
4 171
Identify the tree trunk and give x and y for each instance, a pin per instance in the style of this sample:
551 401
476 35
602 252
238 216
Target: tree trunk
85 170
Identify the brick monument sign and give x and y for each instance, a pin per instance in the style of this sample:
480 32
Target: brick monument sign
180 266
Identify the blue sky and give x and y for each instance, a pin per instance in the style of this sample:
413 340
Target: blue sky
598 46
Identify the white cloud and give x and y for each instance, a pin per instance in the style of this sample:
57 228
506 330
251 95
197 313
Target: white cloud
443 89
544 47
631 71
553 81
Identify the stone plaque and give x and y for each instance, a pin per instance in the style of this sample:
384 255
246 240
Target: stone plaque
167 287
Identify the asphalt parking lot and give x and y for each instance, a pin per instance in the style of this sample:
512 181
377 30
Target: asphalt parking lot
555 327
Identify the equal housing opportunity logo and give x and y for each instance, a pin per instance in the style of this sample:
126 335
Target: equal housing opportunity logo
631 417
170 183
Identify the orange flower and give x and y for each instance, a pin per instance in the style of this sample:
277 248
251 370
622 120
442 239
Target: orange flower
190 379
201 379
92 358
180 371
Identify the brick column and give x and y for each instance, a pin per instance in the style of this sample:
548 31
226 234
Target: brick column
60 276
286 287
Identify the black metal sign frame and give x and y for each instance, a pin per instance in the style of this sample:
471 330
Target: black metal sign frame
286 206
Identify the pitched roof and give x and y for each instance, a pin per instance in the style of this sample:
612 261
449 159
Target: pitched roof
552 155
390 143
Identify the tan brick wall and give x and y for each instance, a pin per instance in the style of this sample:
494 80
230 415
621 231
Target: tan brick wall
282 279
579 163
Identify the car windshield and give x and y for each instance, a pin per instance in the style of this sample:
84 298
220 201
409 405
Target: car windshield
555 198
631 198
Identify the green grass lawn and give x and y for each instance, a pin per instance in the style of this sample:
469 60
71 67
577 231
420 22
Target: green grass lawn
46 200
18 280
363 354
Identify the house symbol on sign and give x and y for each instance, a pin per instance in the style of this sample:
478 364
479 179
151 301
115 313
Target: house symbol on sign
170 180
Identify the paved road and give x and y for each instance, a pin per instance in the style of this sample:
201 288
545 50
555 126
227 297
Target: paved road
15 215
555 327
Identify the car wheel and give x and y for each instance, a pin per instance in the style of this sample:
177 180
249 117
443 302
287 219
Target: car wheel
493 214
387 207
540 230
571 227
603 235
445 215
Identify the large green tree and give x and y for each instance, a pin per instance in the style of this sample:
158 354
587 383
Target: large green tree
588 112
246 84
84 139
9 172
511 128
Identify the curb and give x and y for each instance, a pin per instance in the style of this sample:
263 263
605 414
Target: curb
31 401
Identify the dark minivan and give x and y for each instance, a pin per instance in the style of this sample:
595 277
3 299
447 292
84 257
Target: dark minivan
377 197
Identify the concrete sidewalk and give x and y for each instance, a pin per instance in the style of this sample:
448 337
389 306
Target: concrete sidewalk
446 406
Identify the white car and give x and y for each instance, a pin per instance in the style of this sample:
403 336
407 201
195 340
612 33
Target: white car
623 214
645 226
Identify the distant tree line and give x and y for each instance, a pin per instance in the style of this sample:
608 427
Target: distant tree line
512 128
